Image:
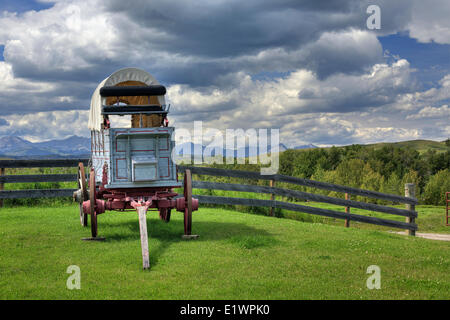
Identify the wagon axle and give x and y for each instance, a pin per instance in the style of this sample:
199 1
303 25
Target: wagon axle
180 204
163 200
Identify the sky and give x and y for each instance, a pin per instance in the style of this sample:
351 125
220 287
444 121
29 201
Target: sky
312 69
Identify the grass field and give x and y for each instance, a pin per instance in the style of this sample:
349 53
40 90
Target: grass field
238 256
431 219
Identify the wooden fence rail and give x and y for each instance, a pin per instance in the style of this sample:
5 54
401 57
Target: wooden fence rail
409 212
36 193
409 200
302 196
38 178
44 163
298 181
306 209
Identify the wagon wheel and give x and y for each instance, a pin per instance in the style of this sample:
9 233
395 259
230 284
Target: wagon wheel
92 200
164 214
188 202
81 179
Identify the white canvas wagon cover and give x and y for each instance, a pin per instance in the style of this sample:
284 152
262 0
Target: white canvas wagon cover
123 75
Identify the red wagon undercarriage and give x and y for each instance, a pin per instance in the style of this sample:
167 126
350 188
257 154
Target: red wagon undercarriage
96 200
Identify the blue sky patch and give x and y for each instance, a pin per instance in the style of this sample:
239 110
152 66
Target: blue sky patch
269 75
2 48
21 6
431 59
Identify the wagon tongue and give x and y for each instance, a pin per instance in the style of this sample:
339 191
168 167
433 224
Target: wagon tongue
141 208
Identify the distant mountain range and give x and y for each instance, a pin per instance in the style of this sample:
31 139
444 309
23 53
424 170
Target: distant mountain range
190 148
80 147
74 146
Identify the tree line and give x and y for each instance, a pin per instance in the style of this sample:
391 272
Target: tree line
384 169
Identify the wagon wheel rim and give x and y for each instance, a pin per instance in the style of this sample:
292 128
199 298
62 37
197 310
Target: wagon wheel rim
82 186
188 202
92 204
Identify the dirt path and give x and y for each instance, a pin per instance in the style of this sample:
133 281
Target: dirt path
432 236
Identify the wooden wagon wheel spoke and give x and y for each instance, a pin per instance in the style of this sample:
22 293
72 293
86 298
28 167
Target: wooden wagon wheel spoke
82 186
92 200
164 214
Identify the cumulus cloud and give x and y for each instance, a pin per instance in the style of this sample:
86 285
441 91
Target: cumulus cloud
3 122
430 21
341 109
301 92
432 112
46 125
186 43
328 77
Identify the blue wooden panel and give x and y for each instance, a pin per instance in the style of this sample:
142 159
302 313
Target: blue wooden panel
142 145
164 168
121 169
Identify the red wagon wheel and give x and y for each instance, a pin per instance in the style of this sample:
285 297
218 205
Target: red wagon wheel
92 200
188 202
81 179
164 214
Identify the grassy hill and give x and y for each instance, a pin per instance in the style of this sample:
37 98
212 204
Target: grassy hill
238 256
419 145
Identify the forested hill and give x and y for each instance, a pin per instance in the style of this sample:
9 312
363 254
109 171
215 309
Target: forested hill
379 167
419 145
383 167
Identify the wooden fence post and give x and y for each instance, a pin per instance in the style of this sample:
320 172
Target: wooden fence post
272 196
410 192
347 210
2 173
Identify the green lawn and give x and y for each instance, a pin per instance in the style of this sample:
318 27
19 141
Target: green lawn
430 218
238 256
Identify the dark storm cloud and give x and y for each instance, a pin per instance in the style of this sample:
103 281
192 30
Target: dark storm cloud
234 28
351 101
38 102
212 38
100 68
220 35
203 44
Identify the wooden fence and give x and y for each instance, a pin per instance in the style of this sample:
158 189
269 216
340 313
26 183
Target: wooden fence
409 200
